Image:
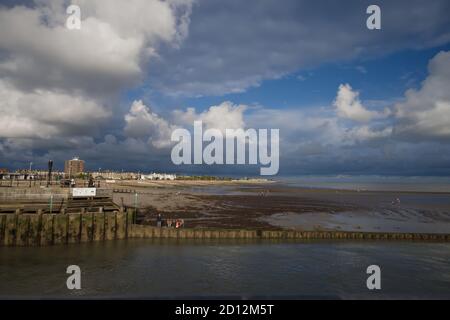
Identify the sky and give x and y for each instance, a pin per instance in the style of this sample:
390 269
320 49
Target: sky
346 99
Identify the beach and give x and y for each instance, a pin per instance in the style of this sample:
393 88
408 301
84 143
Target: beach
270 205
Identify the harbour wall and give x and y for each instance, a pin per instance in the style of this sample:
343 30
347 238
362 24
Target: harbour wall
56 229
52 229
34 193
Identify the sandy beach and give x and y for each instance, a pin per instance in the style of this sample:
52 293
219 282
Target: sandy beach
272 205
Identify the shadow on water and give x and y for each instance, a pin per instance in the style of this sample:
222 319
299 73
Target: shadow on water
227 268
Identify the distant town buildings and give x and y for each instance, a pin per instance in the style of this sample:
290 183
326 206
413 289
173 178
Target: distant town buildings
158 176
27 175
111 175
115 175
73 167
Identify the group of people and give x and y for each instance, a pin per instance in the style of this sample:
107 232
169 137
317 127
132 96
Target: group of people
170 223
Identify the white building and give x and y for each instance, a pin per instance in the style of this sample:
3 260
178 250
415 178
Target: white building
158 176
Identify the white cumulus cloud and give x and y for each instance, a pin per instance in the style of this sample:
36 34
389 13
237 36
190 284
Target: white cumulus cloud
56 81
44 114
141 122
223 116
425 113
348 105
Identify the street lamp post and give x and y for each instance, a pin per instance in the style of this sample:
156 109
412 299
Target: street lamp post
29 173
135 206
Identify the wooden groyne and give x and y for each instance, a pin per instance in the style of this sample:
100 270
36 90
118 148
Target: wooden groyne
49 229
57 229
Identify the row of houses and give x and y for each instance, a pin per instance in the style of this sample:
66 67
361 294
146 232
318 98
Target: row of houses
34 175
113 175
75 167
42 175
110 175
158 176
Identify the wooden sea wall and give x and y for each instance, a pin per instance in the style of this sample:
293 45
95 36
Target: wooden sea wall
58 229
54 229
143 231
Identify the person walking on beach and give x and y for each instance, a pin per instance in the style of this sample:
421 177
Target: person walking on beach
158 220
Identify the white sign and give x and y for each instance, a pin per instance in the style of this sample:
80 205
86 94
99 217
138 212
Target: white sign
84 192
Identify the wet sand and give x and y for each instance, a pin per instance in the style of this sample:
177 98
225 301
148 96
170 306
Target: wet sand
259 204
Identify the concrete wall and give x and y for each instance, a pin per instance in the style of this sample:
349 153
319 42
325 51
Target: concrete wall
44 193
33 193
50 229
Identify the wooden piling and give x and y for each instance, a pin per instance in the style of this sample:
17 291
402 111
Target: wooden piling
157 232
182 234
87 227
198 234
138 231
10 230
34 231
121 224
74 230
99 226
2 229
60 226
148 232
189 234
110 226
23 227
47 229
173 233
130 217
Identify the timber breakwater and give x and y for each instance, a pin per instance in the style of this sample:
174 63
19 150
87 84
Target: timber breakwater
58 229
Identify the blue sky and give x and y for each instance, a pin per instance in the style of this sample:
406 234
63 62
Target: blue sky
347 100
377 78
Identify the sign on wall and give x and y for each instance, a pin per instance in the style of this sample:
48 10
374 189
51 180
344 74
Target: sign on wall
84 192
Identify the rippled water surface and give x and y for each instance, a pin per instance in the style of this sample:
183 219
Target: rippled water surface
153 269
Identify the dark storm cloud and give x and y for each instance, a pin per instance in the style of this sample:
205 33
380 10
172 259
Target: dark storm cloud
234 45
